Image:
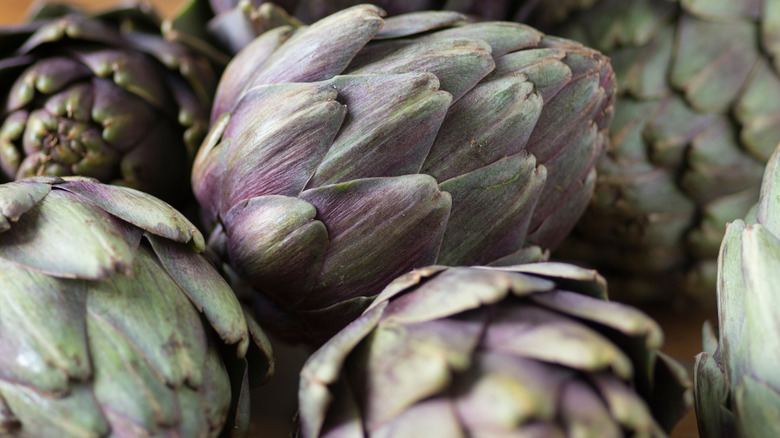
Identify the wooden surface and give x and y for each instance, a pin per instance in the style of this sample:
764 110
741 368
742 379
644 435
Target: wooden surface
682 328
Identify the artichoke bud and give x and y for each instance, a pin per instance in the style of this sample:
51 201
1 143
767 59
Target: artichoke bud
736 384
418 139
111 320
102 98
462 351
698 86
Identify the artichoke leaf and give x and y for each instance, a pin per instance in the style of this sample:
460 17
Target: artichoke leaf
503 37
278 244
213 397
492 121
206 289
757 405
131 71
344 419
163 325
340 35
767 214
389 128
459 63
626 407
478 232
406 282
17 198
270 158
459 290
43 338
393 370
77 415
141 210
758 354
522 385
416 421
584 414
238 73
407 213
411 23
710 61
46 76
620 317
711 394
568 277
103 243
542 67
323 368
142 396
528 331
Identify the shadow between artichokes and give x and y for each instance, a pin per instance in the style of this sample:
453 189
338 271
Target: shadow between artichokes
112 323
531 350
348 152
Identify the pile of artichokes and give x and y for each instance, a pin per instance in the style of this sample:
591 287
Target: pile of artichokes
415 194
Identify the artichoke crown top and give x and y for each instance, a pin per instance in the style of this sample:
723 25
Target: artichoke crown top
443 342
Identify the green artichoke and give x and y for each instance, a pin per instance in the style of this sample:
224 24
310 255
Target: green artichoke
737 385
696 120
103 96
342 156
232 24
530 350
111 323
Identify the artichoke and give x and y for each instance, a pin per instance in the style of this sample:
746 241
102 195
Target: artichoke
528 350
349 152
737 386
111 323
696 120
232 24
104 96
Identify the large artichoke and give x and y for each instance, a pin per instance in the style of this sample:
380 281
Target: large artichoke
103 96
232 24
111 323
737 384
696 119
530 350
349 152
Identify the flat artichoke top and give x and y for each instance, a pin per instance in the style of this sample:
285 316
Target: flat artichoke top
737 386
107 309
104 96
345 153
462 351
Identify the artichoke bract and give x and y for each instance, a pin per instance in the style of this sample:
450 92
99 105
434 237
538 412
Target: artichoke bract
232 24
112 323
696 120
528 350
349 152
104 96
737 385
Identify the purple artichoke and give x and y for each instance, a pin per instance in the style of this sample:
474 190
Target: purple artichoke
349 152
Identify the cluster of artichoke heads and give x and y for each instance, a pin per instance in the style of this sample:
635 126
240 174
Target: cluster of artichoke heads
417 194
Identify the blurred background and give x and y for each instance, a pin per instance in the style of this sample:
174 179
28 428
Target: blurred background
274 404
